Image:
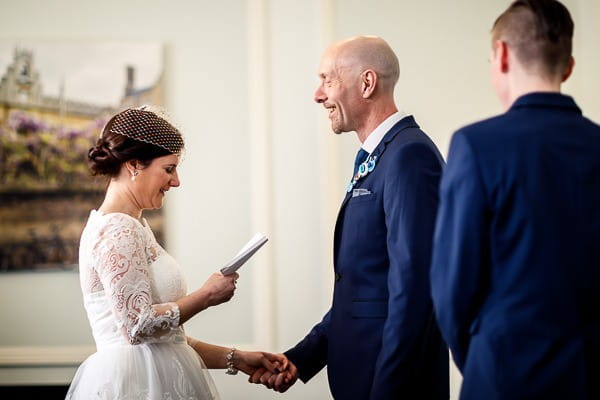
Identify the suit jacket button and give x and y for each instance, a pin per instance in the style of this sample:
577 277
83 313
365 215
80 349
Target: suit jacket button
337 276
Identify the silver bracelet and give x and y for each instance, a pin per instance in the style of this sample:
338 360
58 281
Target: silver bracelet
231 370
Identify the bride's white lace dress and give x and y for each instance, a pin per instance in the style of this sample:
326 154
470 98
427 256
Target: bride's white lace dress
130 285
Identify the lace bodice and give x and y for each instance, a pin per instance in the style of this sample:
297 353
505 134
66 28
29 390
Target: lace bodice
129 283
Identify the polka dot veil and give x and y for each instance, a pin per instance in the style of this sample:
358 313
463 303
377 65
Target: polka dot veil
148 126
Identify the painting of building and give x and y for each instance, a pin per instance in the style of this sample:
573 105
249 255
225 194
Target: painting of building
46 190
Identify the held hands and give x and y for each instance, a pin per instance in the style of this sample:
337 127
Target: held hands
220 288
251 361
274 371
280 379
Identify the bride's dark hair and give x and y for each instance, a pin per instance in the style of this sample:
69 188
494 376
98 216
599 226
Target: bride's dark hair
132 134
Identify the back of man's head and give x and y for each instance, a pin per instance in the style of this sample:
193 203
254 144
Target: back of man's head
540 32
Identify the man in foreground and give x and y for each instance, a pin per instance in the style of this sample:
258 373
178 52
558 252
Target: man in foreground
516 271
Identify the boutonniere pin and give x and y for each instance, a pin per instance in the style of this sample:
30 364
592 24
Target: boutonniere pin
363 170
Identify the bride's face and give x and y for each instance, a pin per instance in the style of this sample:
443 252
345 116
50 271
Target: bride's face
152 182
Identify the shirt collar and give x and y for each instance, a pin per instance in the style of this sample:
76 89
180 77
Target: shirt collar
373 140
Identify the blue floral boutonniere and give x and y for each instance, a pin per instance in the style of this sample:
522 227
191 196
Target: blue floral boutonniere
363 170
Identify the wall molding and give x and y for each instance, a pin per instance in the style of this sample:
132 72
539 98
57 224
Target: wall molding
42 356
261 165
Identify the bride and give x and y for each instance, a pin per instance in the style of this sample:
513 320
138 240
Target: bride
134 292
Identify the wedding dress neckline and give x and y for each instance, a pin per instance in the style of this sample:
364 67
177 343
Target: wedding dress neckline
143 222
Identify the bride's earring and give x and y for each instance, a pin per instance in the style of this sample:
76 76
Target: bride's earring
134 174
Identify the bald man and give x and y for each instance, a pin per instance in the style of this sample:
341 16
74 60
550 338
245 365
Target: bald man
379 340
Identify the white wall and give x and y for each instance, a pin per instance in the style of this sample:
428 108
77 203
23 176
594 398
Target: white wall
240 77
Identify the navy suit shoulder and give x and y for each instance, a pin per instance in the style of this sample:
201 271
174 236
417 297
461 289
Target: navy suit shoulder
531 118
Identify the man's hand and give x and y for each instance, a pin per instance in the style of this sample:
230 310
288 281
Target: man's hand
280 382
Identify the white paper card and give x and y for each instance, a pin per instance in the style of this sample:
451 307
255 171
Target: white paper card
257 241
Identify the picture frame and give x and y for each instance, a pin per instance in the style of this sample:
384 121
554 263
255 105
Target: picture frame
55 98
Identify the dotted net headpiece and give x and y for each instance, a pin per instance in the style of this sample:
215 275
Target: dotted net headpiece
148 126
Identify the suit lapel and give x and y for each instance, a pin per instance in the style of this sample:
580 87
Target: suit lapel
404 123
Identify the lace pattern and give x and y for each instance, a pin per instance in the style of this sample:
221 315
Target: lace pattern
116 253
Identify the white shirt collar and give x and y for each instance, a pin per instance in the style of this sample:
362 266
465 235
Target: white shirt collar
373 140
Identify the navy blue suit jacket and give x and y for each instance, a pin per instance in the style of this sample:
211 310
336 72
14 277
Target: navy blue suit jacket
380 340
516 264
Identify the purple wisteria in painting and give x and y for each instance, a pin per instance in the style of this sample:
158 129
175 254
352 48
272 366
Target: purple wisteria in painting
45 191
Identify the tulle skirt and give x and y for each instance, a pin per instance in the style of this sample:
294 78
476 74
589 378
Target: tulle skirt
160 371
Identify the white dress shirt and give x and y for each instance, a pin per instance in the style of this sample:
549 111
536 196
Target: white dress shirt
375 137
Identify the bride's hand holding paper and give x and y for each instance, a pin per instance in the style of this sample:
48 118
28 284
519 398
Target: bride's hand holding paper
219 288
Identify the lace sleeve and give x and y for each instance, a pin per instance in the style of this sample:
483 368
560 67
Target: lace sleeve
121 263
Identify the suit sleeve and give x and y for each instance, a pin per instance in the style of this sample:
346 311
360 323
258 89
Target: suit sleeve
410 203
310 354
458 271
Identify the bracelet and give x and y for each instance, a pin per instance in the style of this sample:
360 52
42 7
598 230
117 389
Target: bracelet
231 370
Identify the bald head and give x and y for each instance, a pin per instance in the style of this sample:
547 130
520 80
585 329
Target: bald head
368 52
356 84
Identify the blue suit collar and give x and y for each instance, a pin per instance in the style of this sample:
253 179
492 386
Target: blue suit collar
406 122
545 100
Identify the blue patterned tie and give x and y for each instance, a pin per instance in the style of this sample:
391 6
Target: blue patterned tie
360 158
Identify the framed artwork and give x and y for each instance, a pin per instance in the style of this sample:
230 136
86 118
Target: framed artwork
55 98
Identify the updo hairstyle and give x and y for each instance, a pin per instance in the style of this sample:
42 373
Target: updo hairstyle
133 134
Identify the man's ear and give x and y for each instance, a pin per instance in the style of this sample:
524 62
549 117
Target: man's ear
368 81
501 55
569 69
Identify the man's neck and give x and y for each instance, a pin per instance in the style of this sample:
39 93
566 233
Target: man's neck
523 85
373 120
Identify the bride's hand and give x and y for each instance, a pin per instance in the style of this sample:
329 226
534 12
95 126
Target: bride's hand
220 288
250 361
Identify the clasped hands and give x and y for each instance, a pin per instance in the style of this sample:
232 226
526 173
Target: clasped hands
274 371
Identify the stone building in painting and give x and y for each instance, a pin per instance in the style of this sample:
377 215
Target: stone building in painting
21 89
